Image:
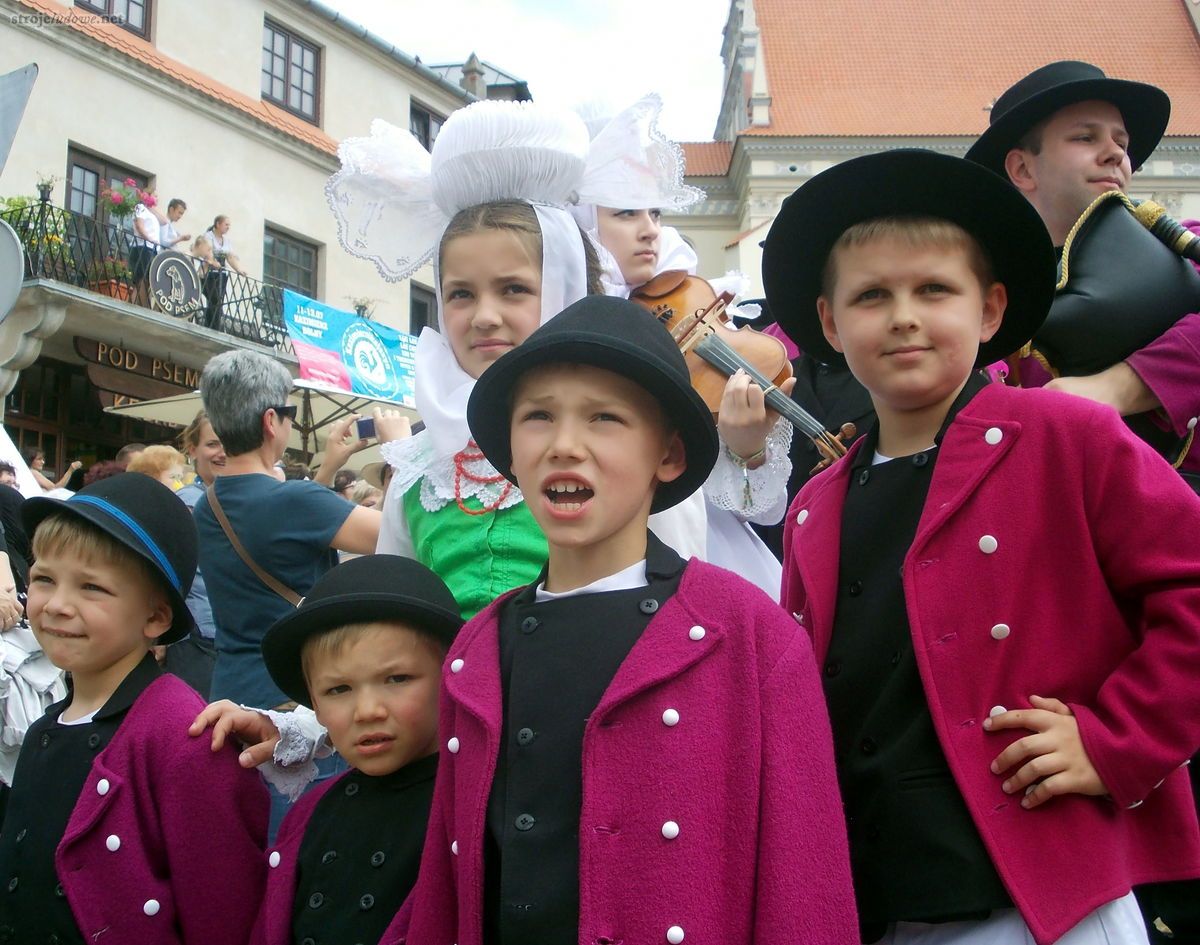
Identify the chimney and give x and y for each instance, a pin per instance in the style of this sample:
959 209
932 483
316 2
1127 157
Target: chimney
472 77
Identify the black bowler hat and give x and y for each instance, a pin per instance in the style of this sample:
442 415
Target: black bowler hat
914 183
147 518
1145 108
370 589
616 335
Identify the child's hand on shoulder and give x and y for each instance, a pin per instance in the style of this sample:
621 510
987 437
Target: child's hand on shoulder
252 728
1051 761
744 420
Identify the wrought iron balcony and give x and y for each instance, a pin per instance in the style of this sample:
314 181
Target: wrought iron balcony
76 249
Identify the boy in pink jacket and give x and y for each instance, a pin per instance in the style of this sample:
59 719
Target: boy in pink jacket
1002 585
119 827
636 748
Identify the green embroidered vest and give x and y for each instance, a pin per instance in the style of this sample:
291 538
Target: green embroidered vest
478 556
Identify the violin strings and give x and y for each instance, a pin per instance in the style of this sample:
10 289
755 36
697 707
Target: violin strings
717 352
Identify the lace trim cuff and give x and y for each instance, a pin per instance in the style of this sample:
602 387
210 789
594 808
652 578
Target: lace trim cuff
301 741
752 493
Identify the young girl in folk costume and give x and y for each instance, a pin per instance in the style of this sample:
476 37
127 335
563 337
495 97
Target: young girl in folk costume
491 196
634 174
508 257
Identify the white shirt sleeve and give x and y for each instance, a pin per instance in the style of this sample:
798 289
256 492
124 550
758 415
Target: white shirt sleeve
394 536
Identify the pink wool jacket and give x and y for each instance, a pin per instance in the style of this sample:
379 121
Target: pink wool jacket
164 846
746 772
1057 556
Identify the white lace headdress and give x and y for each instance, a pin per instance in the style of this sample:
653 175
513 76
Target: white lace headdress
393 200
632 165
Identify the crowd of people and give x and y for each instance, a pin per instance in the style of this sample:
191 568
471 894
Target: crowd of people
590 658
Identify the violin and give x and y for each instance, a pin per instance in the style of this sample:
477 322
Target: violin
714 351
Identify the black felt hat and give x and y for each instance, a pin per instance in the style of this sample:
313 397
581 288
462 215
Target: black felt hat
1145 108
147 518
901 183
370 589
619 336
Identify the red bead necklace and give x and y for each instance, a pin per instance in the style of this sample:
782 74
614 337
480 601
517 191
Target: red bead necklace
473 454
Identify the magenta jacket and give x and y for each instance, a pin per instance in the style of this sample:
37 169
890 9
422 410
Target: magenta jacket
743 766
164 846
1087 588
274 926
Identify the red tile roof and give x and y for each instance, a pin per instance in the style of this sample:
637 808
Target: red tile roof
707 158
915 67
138 49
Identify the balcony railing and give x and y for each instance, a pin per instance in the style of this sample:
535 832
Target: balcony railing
76 249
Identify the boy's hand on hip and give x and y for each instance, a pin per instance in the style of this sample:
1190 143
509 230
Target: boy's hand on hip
1051 761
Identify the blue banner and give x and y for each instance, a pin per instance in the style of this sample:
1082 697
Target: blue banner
344 351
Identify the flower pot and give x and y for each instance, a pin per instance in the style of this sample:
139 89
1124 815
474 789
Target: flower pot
113 288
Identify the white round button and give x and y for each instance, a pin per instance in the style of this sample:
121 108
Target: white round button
696 633
801 516
993 436
670 830
675 935
113 842
988 544
1192 423
273 859
670 717
453 745
102 786
151 907
997 710
456 666
1000 631
454 847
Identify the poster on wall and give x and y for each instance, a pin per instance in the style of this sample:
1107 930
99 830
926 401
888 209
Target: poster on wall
346 352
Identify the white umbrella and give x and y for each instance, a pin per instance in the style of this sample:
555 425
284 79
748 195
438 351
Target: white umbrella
317 408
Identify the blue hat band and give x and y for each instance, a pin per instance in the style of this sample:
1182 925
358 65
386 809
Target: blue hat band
140 533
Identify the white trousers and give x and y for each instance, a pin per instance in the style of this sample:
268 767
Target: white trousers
1115 923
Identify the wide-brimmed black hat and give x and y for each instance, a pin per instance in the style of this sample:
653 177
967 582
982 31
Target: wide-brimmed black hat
907 183
370 589
619 336
147 518
1145 108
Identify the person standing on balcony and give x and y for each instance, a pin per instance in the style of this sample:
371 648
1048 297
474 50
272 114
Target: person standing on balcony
218 235
148 236
169 236
217 276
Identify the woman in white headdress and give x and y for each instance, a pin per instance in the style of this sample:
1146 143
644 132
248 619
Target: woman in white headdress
633 174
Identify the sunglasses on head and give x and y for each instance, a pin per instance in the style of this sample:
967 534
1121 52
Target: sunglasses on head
287 410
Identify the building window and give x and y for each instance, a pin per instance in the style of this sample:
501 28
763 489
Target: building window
133 15
422 309
424 125
290 263
88 175
290 71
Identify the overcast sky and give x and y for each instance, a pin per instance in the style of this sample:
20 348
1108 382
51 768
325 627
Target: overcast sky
574 51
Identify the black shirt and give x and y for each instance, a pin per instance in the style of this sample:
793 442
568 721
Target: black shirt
359 856
557 659
915 852
52 768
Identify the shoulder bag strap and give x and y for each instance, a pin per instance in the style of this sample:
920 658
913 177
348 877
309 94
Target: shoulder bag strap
281 589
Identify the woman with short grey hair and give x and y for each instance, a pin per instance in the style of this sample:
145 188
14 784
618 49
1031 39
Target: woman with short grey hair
291 530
